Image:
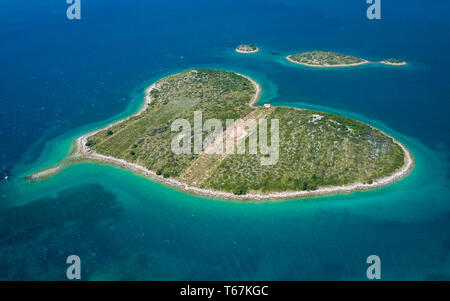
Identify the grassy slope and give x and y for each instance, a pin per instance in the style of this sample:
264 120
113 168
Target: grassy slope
332 150
217 94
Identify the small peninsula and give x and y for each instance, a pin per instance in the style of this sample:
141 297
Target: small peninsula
247 48
393 62
319 153
325 59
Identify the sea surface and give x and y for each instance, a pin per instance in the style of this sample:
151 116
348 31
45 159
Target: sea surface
61 78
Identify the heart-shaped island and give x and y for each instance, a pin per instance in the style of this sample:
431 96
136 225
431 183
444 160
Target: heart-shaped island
200 131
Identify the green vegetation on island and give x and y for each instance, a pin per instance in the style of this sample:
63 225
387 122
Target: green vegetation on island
316 149
247 48
217 94
394 62
325 59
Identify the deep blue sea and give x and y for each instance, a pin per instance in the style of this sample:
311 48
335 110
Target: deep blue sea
61 78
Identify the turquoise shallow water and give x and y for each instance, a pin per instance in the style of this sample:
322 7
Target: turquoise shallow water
124 226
